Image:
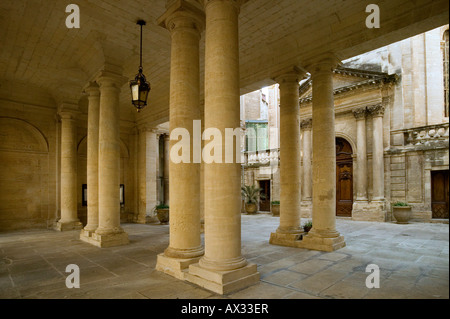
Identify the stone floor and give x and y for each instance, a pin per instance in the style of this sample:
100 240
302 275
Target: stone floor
413 260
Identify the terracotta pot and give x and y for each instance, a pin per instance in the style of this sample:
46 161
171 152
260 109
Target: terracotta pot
402 214
163 215
250 208
275 210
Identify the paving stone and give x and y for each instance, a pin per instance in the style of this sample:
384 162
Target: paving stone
410 267
283 277
311 266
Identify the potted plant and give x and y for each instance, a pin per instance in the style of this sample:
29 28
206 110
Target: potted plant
162 212
251 194
275 207
401 212
307 226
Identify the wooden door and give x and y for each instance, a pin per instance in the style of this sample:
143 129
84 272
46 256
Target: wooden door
264 203
344 178
439 194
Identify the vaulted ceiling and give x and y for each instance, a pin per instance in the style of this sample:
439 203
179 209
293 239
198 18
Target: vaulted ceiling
36 48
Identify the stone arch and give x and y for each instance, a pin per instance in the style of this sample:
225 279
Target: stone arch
124 153
19 135
348 139
24 175
82 148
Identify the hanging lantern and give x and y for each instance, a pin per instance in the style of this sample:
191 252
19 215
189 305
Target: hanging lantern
139 86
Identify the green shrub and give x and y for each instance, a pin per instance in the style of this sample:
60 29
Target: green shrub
251 193
162 206
403 204
308 224
275 202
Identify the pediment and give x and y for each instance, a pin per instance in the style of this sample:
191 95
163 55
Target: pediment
345 79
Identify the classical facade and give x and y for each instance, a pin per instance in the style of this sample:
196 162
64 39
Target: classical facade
391 141
76 156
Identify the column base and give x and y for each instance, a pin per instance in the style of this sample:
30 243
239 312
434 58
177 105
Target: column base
289 240
373 211
223 282
72 225
85 235
175 267
314 242
108 240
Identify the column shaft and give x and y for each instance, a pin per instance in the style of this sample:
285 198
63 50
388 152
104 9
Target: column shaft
184 178
324 153
92 158
185 23
290 187
222 181
222 268
377 112
323 235
147 194
109 160
361 153
69 215
307 174
109 232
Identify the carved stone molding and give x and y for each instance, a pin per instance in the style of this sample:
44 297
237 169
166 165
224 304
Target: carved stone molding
360 113
92 89
376 110
306 124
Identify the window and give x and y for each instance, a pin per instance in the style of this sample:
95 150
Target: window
446 74
256 136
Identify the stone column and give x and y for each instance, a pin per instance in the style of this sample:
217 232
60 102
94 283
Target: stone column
185 21
361 154
223 268
306 126
147 149
69 214
377 112
323 235
109 233
93 92
289 230
166 169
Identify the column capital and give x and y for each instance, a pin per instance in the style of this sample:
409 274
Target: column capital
141 128
183 14
289 74
360 113
68 110
92 89
68 115
236 3
376 110
326 62
106 78
306 124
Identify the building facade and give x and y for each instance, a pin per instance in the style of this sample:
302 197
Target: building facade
396 96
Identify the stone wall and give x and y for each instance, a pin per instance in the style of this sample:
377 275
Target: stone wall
30 142
29 153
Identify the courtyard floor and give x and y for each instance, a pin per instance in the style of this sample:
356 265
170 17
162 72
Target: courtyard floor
413 260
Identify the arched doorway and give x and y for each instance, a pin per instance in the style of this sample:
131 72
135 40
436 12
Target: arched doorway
344 178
